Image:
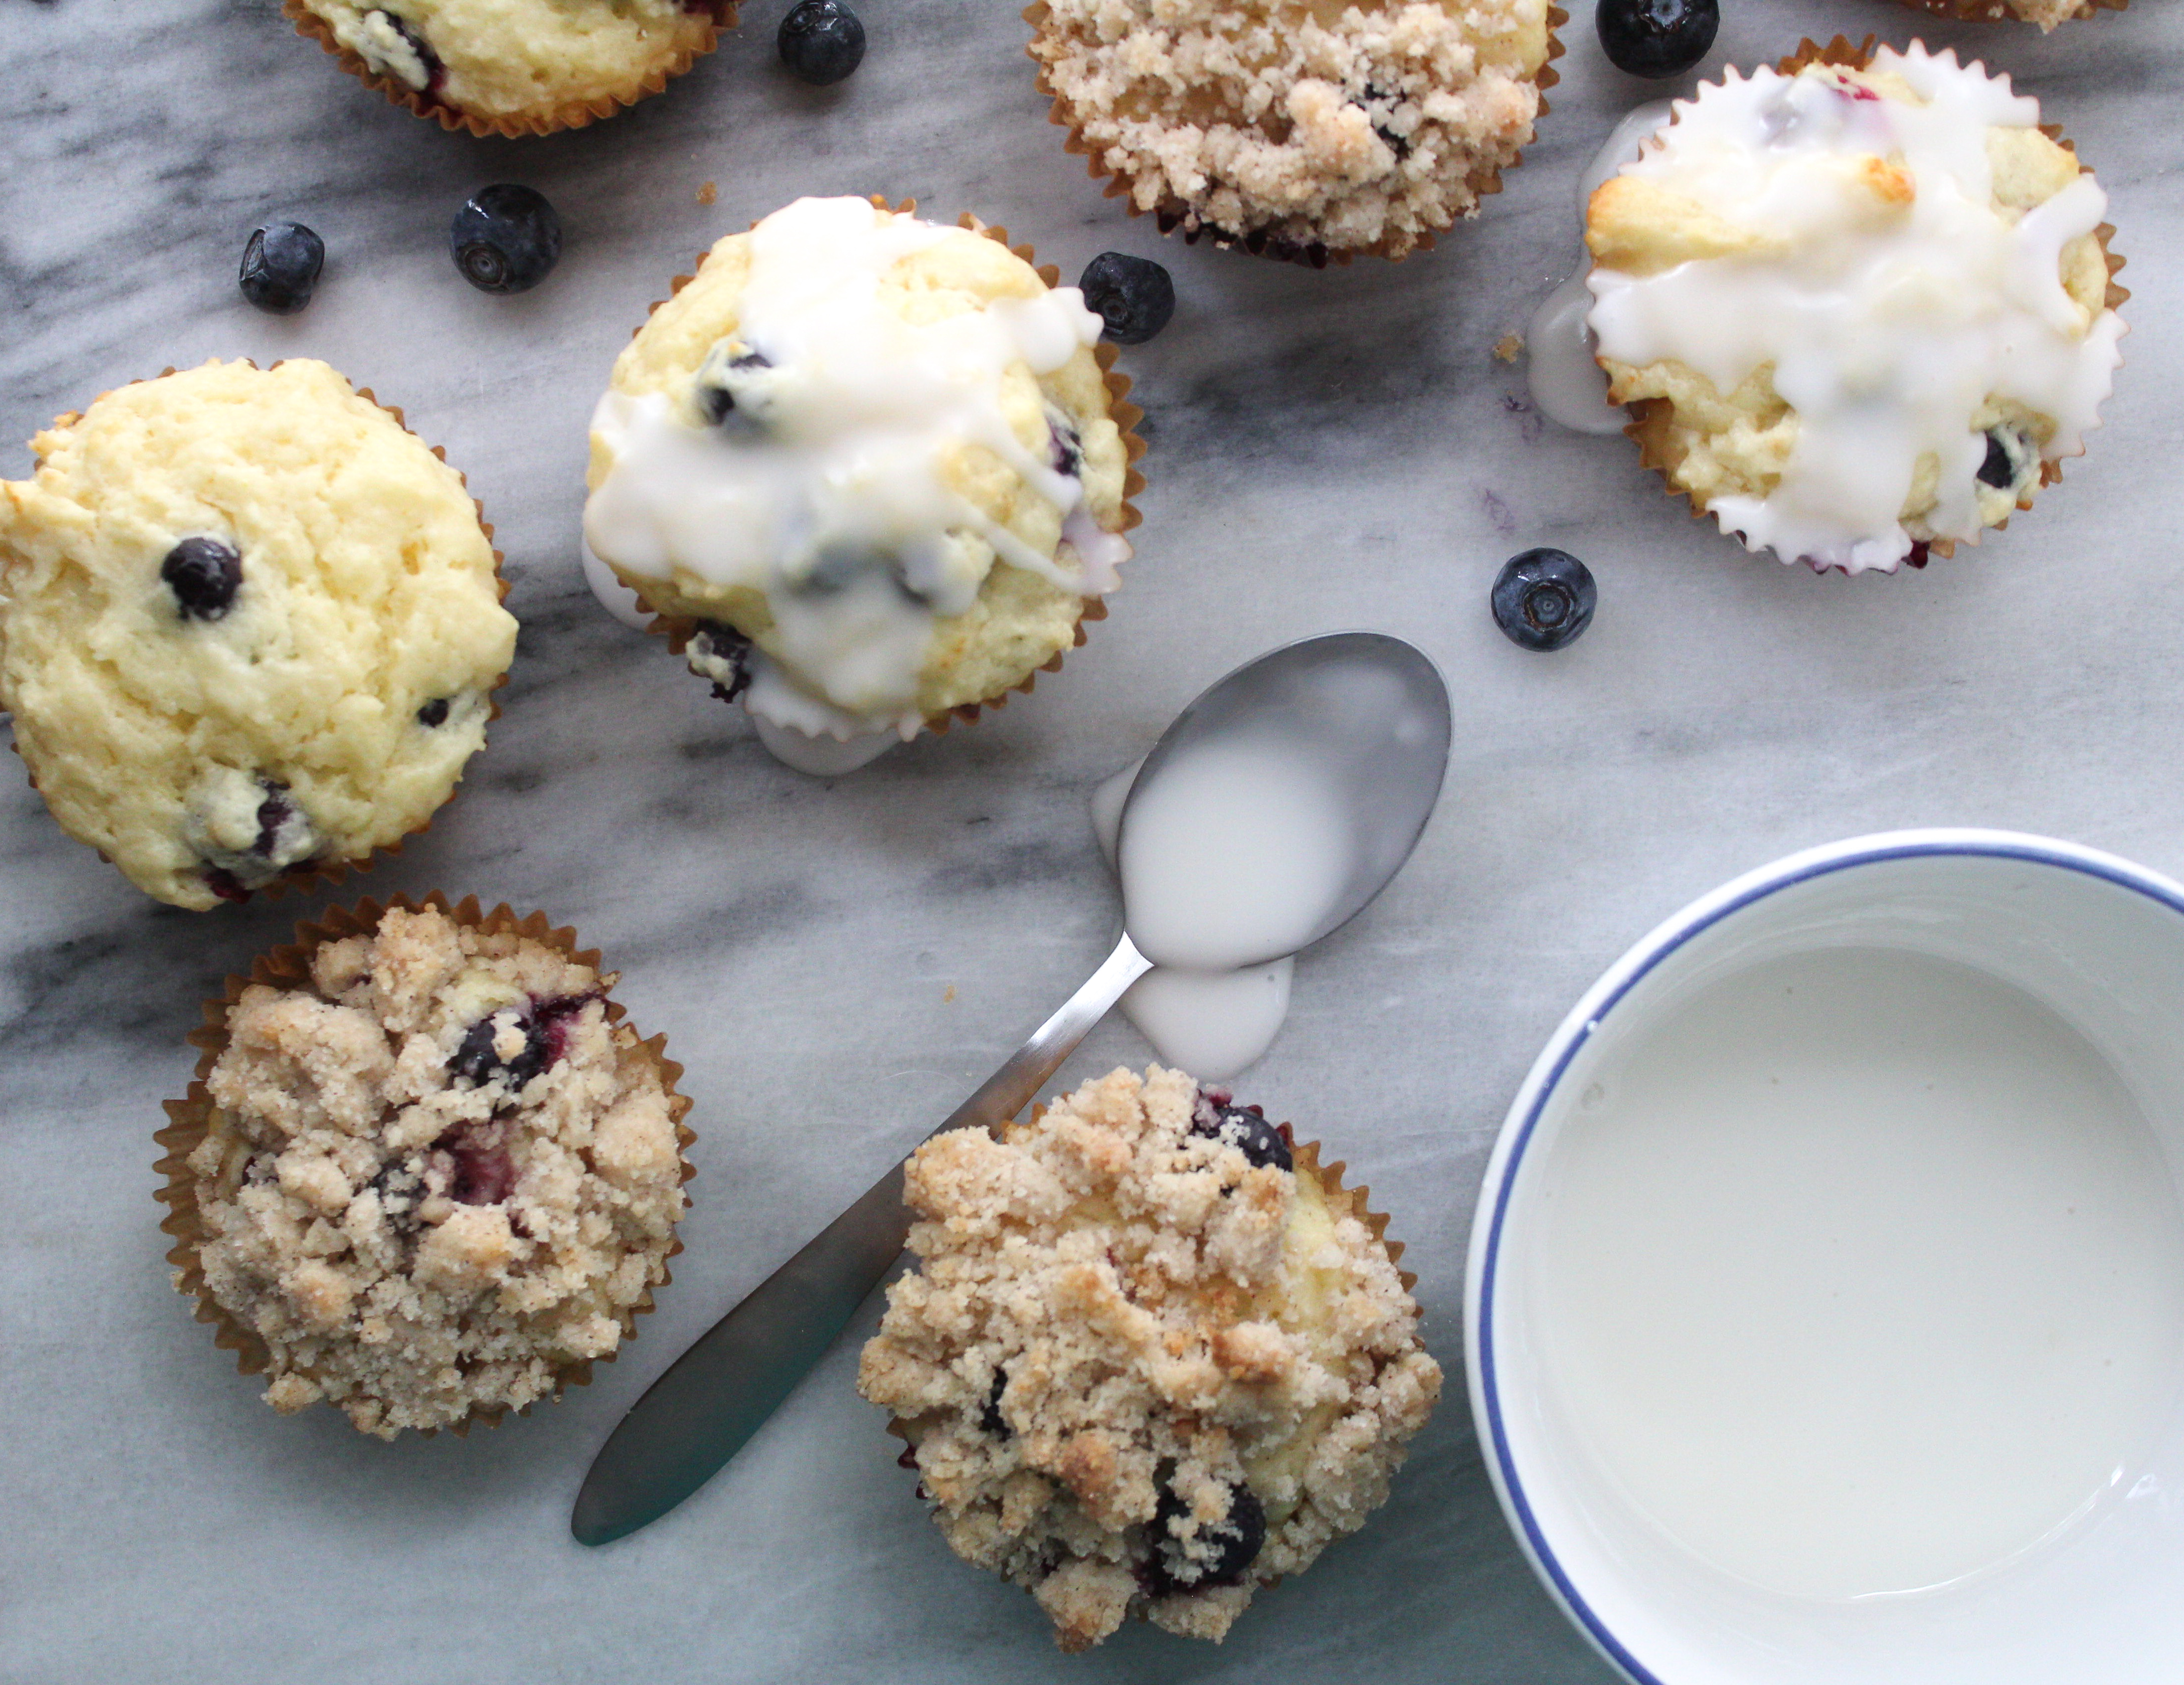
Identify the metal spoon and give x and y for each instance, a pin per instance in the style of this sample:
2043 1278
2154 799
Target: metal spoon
1373 714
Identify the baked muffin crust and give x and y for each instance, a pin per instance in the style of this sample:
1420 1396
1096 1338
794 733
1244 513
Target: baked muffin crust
247 623
1152 1357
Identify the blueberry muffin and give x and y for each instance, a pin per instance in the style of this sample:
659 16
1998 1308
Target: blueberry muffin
2045 12
426 1175
249 626
872 466
1862 305
1303 133
515 67
1153 1356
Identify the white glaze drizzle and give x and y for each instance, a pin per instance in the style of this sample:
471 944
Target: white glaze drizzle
1568 384
831 500
1887 332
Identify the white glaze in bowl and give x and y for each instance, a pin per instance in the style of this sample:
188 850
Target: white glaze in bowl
2087 944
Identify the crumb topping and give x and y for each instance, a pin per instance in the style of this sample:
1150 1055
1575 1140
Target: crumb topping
436 1177
1307 127
1144 1367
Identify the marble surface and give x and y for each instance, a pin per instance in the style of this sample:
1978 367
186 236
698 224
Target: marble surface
838 963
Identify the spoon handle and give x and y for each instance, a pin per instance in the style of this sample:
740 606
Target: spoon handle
720 1393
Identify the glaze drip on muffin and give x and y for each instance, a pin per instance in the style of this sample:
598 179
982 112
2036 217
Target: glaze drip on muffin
841 442
1147 1363
436 1177
1869 303
1300 130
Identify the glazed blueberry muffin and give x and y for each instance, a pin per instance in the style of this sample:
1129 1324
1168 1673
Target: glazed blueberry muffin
428 1175
1153 1356
248 627
873 463
1863 307
1300 132
515 66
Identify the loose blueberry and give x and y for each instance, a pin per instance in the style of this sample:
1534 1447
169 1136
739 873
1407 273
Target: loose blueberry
281 265
1244 1127
1544 599
205 575
506 238
1656 38
822 42
434 712
1135 297
990 1413
719 652
1236 1540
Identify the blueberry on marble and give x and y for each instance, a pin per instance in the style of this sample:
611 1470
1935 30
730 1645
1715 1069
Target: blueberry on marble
1234 1540
280 266
1135 297
506 238
822 42
1656 38
205 575
1544 599
434 712
1244 1127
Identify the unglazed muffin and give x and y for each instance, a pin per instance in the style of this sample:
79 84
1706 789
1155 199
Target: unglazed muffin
1863 305
1301 133
881 451
248 627
515 67
1153 1355
427 1176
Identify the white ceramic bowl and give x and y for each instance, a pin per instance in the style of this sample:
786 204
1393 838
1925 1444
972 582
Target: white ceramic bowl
2098 941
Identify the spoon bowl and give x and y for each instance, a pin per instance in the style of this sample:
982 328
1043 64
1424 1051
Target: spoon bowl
1281 801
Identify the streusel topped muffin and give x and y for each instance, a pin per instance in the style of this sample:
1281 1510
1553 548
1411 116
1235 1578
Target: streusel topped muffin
435 1174
1153 1356
1300 131
248 626
1864 305
878 449
516 66
2048 14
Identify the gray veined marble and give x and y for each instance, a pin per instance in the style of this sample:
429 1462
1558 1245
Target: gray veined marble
838 963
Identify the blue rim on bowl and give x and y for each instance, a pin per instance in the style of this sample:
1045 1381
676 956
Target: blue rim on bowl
1578 1029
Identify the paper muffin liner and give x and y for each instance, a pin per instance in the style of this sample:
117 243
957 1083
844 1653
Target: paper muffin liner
1170 212
288 966
1651 418
1997 11
679 629
572 114
1345 1201
317 874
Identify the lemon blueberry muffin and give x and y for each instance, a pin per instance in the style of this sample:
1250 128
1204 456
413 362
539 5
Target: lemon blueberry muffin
248 626
1153 1355
1298 132
435 1174
874 459
1863 308
516 66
